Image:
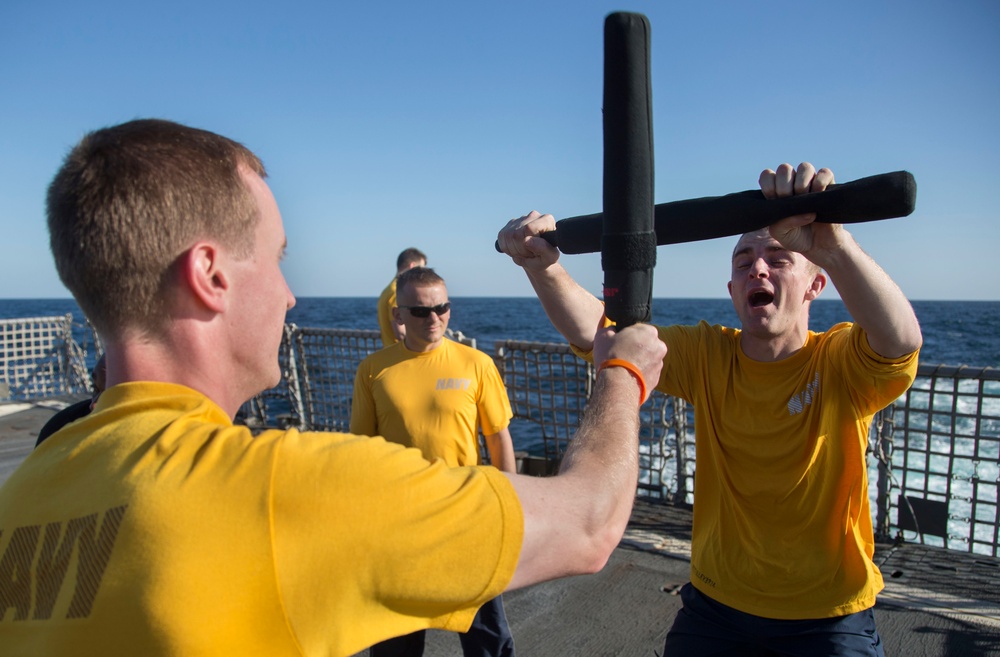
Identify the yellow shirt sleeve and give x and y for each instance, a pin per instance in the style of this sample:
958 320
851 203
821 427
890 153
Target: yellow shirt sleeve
362 404
405 544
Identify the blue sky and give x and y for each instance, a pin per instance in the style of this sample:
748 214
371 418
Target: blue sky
393 124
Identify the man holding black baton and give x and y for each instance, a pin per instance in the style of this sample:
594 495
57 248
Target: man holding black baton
165 529
782 546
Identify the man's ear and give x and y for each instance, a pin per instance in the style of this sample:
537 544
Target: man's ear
818 283
396 316
201 270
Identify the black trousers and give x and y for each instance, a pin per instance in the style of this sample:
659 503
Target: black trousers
488 636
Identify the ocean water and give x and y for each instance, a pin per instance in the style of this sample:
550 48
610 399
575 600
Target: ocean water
955 332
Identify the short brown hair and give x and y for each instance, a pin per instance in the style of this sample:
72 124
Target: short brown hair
417 276
129 199
409 257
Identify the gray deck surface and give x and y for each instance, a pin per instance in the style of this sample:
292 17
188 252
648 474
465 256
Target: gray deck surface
936 602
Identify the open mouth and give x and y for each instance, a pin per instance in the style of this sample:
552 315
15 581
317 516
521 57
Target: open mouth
760 298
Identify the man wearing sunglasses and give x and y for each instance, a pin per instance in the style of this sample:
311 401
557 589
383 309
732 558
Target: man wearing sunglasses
435 394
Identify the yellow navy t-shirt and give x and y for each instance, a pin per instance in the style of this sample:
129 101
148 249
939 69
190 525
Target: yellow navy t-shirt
435 401
154 526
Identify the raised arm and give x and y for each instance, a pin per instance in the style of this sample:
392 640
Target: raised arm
872 298
573 521
573 311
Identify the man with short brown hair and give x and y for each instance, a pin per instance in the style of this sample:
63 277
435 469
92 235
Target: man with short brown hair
167 530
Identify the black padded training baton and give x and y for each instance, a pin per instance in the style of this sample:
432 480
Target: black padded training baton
627 241
884 196
621 233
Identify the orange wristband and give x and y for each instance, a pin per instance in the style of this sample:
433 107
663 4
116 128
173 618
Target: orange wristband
632 369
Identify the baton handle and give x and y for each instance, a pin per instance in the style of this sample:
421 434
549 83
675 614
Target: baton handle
883 196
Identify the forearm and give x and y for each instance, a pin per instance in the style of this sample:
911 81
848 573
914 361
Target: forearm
603 458
873 300
501 449
574 521
573 311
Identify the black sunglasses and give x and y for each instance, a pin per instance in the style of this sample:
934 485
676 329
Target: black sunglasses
425 311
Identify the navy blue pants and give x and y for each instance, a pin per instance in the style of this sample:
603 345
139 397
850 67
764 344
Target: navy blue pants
706 627
488 636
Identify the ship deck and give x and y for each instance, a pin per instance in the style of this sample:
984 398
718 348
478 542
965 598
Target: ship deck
936 601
